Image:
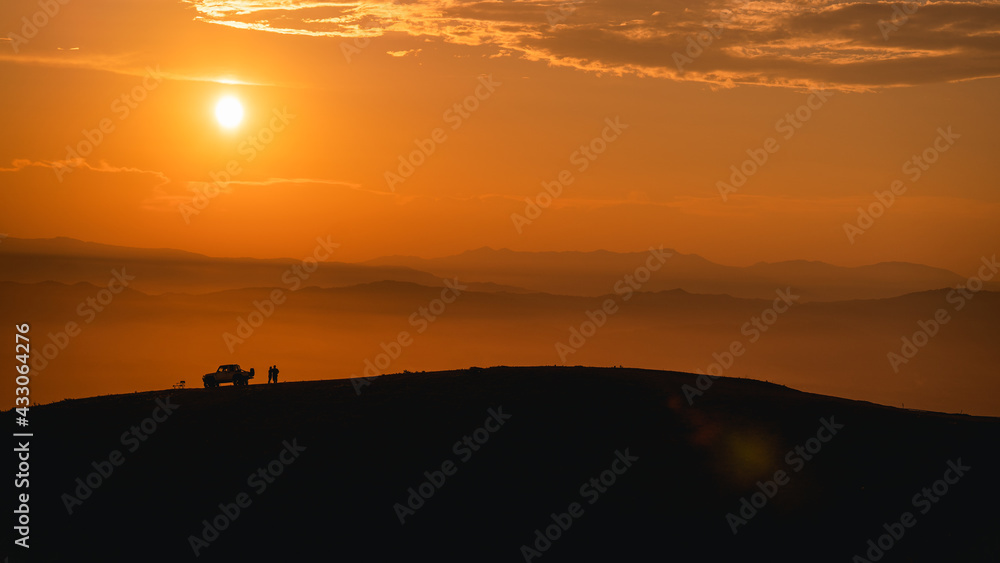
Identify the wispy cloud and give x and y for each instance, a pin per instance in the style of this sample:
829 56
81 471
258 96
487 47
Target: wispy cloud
405 53
70 165
124 64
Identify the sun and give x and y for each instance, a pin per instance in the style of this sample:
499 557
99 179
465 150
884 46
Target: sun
229 112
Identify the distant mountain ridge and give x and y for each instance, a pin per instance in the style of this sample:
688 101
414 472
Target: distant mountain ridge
595 273
483 269
164 270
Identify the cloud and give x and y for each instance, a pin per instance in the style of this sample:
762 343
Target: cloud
403 53
796 43
64 167
122 64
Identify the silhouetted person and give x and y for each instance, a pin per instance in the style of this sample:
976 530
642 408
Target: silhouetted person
270 374
276 373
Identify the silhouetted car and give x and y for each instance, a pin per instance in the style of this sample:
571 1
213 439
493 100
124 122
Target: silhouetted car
228 373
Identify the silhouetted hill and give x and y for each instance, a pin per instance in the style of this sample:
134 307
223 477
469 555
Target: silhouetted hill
688 467
838 348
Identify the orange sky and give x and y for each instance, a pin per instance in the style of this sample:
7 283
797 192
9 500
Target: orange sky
359 82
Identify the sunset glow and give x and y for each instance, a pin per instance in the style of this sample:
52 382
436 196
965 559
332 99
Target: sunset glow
427 278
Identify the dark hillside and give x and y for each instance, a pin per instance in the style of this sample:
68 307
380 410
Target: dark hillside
335 501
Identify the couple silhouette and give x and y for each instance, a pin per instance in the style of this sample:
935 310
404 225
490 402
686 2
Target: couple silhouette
272 374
